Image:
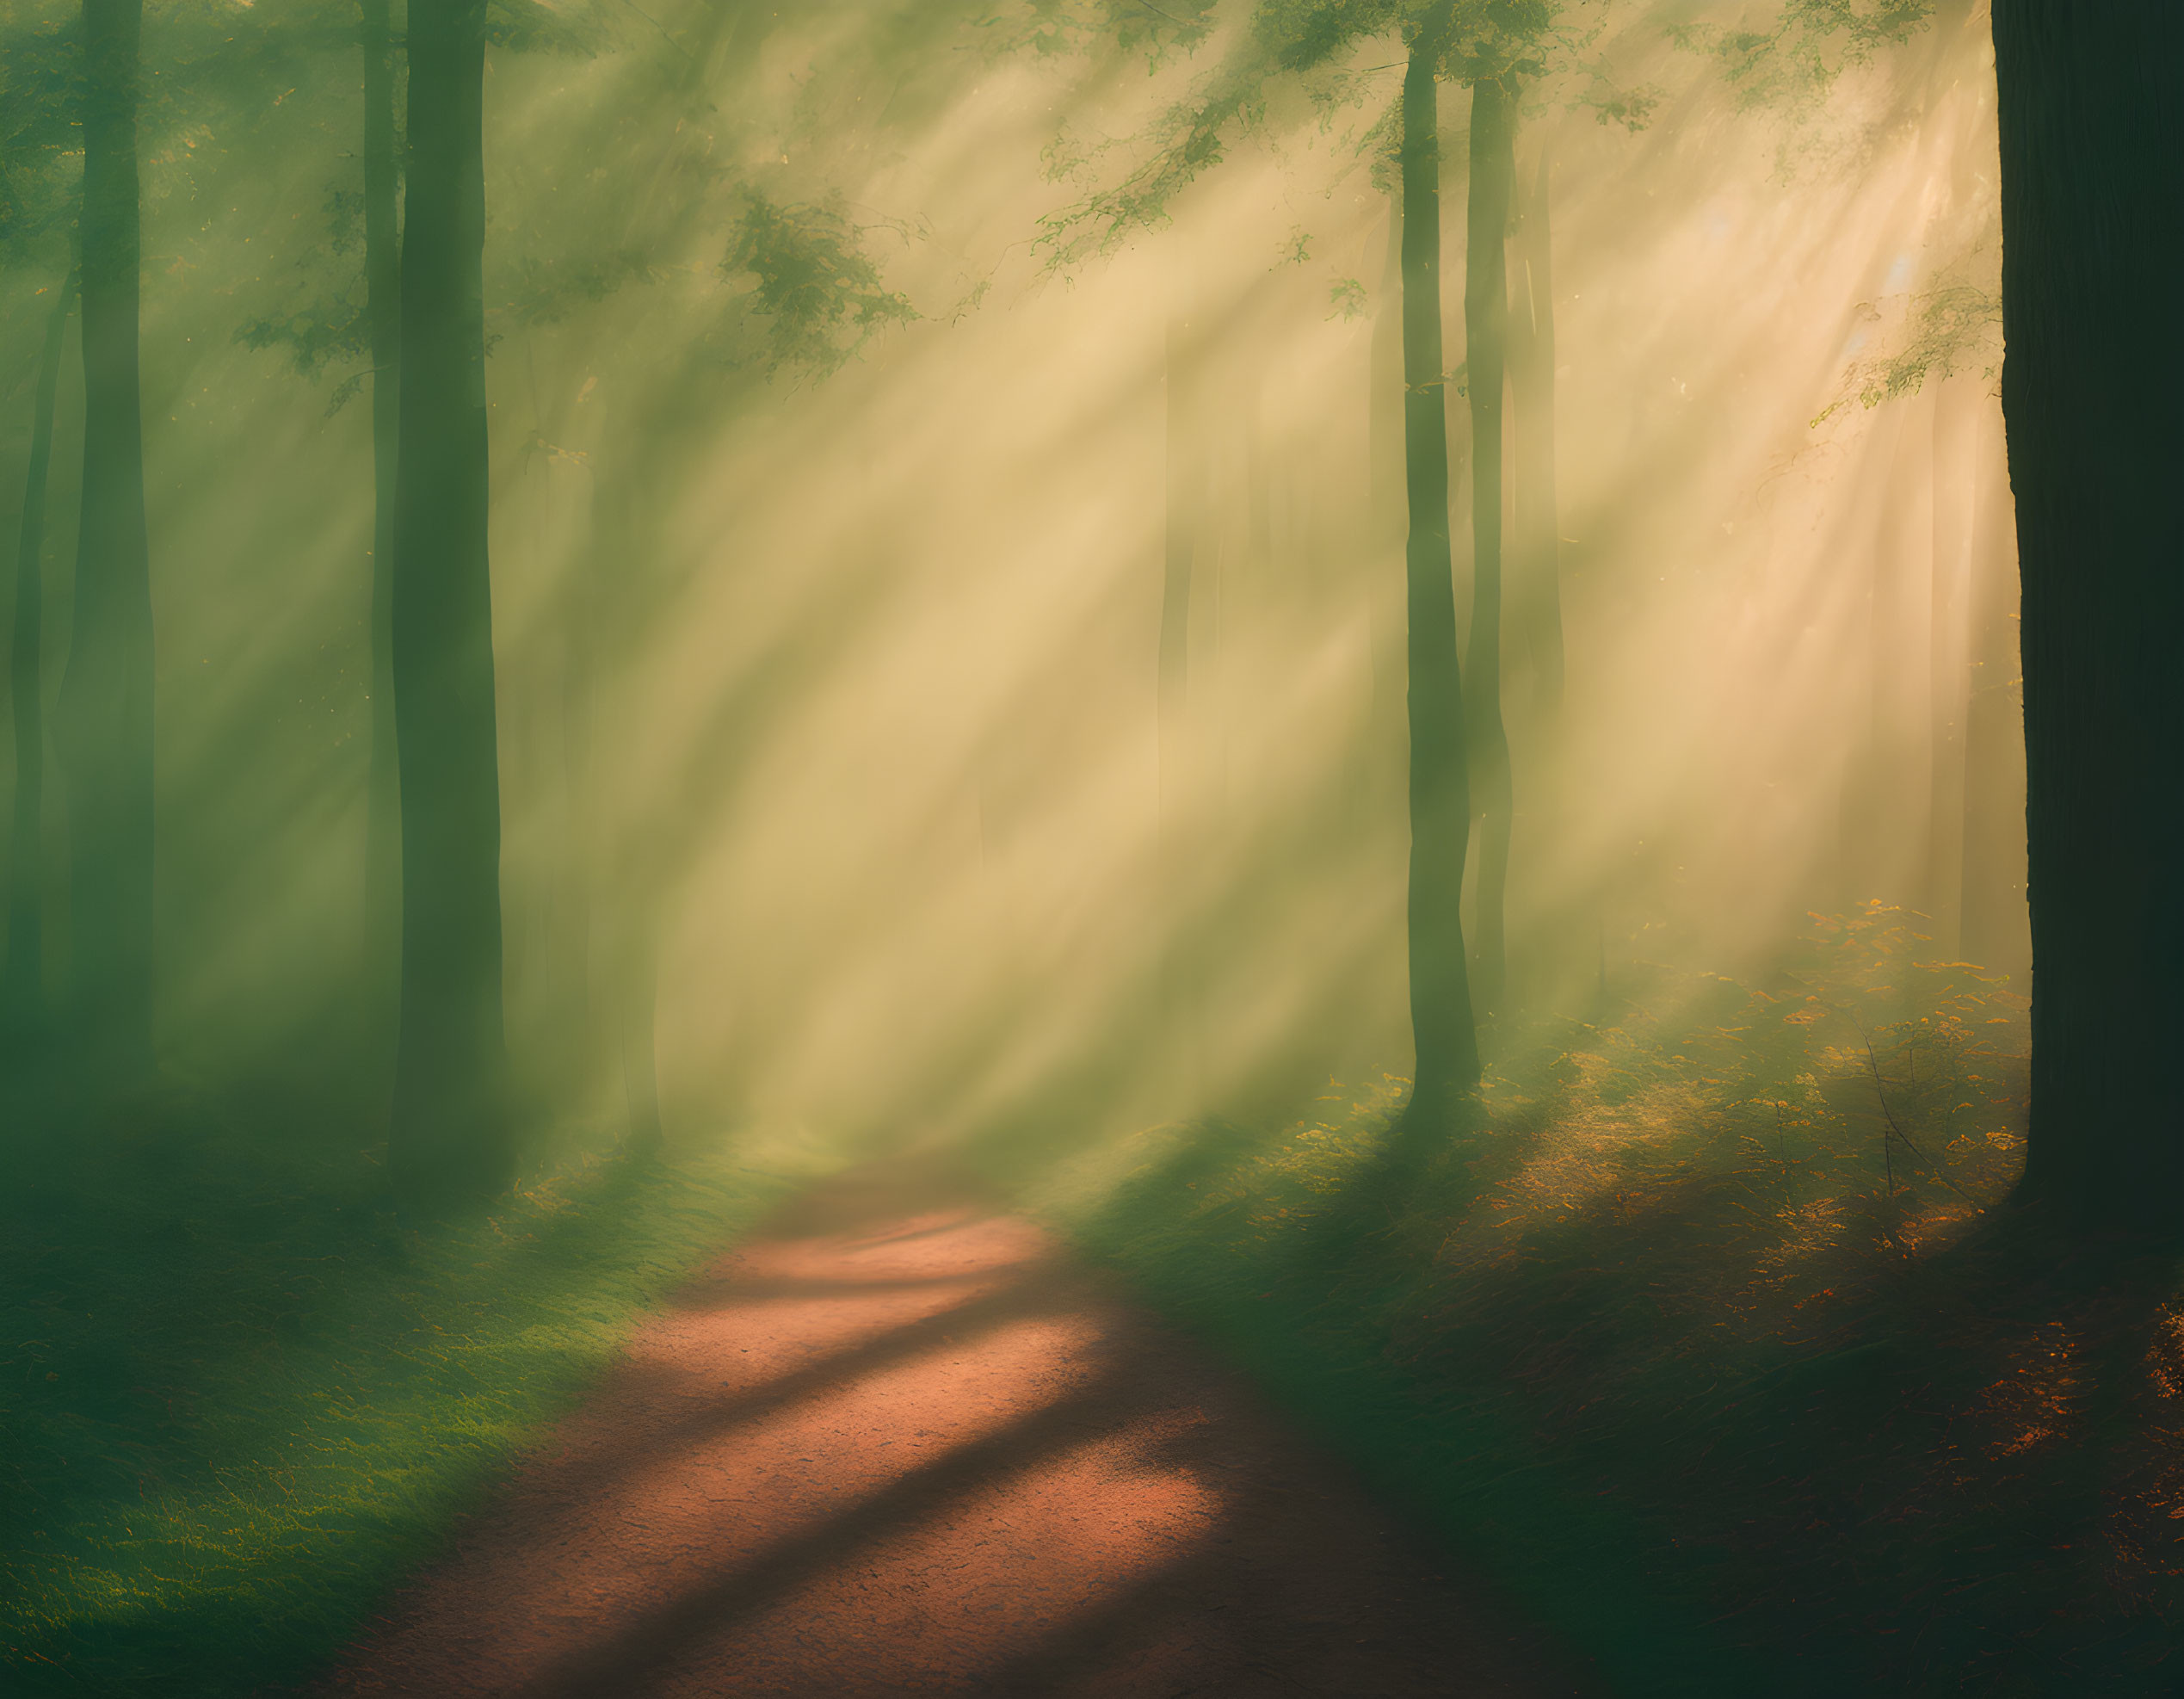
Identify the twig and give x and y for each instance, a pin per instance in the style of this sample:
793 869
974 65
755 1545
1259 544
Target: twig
663 29
1171 17
1888 1116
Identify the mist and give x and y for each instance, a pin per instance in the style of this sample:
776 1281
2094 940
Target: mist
924 684
845 652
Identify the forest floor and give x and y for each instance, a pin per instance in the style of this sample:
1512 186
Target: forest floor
901 1441
1713 1341
1716 1333
238 1403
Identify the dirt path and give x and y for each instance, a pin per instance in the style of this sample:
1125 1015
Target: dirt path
900 1444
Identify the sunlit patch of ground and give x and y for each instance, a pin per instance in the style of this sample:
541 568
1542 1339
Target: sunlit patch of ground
900 1444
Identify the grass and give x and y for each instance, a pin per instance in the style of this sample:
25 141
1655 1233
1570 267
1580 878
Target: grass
1716 1336
238 1403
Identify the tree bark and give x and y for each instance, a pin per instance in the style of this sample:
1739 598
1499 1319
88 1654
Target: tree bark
449 1140
22 991
383 313
1440 1002
2093 225
1486 297
106 707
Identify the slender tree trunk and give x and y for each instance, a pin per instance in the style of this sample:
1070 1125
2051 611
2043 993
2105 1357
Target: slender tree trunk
1992 909
449 1139
1440 998
1539 519
1486 297
106 709
22 993
2093 226
383 311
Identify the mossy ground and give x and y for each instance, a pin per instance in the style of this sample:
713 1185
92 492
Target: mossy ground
239 1402
1716 1334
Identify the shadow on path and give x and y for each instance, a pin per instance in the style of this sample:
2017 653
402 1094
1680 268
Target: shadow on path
900 1443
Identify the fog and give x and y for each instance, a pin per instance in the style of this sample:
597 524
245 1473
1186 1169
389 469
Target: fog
828 602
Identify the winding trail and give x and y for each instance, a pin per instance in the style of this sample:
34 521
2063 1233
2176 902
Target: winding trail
900 1442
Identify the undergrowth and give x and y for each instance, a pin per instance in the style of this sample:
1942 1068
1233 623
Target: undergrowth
1716 1334
238 1402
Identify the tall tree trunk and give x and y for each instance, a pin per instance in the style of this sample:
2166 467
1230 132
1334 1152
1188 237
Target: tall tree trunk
382 311
2093 226
1992 929
1486 300
22 993
1440 998
105 711
1539 519
449 1139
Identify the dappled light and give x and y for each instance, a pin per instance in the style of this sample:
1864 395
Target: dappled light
891 1446
1076 846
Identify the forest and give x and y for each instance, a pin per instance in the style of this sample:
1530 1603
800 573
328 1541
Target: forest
1092 847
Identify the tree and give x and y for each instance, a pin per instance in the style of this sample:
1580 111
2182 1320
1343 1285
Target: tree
1480 41
1486 303
2092 227
449 1140
383 314
1441 1000
22 996
106 708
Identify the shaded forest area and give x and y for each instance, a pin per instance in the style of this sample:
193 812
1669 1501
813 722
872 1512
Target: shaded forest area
1483 688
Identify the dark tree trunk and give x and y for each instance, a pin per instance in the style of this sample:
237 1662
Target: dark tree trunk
1441 998
1486 301
382 311
449 1138
22 994
1539 521
106 716
2092 227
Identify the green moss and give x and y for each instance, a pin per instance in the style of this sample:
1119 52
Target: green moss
238 1402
